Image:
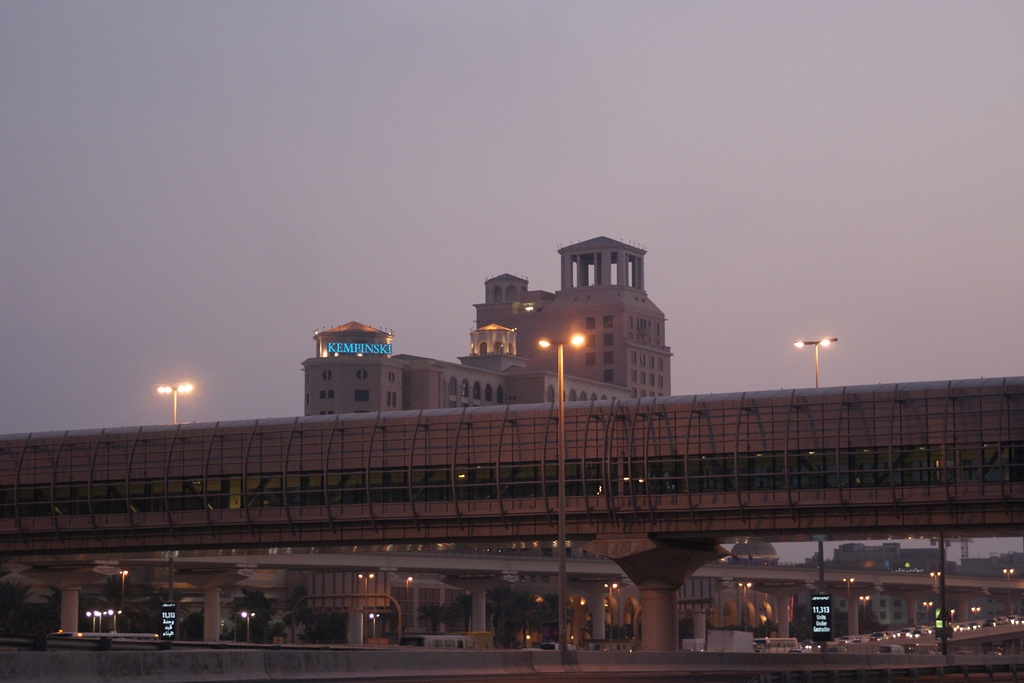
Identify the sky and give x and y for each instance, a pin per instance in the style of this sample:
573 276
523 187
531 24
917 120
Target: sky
190 189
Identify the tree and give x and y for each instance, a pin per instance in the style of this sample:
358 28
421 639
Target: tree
15 611
260 610
459 612
435 614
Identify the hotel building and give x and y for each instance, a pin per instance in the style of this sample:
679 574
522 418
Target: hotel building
602 297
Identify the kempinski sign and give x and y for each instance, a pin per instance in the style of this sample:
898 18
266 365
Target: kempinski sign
356 347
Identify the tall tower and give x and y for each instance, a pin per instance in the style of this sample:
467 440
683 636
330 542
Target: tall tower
602 296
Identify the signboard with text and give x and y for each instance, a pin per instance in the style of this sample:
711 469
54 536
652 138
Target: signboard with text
168 620
821 614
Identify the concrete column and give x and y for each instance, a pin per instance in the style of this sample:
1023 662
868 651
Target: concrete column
479 622
700 622
782 609
211 615
658 567
355 627
659 617
69 608
595 600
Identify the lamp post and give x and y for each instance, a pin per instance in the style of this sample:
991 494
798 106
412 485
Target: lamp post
612 609
246 616
1008 573
183 387
849 607
826 342
575 340
864 604
743 606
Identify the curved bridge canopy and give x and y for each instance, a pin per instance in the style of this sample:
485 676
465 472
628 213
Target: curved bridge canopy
886 460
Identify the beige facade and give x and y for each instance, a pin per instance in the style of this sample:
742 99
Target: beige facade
602 297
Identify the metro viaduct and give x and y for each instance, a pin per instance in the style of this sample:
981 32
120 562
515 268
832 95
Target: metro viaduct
653 484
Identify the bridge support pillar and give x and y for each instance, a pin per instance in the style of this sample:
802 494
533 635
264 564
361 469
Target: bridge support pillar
658 567
700 622
69 608
211 615
477 586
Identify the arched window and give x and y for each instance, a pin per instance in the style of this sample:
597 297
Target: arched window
488 393
483 348
501 394
572 394
497 293
465 388
476 390
453 387
499 348
551 394
510 293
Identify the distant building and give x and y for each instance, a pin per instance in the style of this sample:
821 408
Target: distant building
356 370
602 296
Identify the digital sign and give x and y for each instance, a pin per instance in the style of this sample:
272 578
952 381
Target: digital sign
356 347
168 619
821 613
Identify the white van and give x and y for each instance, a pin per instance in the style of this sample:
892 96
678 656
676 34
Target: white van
891 650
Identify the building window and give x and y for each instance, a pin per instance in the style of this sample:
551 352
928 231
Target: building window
327 374
589 323
361 374
362 395
609 357
608 319
323 394
488 393
501 394
330 393
609 340
591 358
609 376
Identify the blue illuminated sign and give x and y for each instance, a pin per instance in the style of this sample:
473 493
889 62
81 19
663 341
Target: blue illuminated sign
355 347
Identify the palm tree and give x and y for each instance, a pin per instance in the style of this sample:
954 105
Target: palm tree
260 610
435 614
15 611
459 612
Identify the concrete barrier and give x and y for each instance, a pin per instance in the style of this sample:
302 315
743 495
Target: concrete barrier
394 664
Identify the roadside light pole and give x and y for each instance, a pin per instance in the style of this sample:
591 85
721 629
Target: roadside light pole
183 387
826 342
575 340
1008 573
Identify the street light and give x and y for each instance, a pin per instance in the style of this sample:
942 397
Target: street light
612 608
826 342
743 607
864 603
246 616
1008 573
183 387
575 340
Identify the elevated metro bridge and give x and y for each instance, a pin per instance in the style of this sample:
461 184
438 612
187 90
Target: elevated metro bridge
843 462
654 484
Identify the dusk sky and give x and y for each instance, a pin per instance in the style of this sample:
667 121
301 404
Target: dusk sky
189 189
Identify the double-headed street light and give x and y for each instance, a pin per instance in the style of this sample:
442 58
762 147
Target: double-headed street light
826 342
183 387
575 340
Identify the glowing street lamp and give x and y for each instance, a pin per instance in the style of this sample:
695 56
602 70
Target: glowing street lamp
563 590
184 388
1008 573
826 342
246 616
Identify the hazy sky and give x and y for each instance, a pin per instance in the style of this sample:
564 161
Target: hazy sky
188 189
